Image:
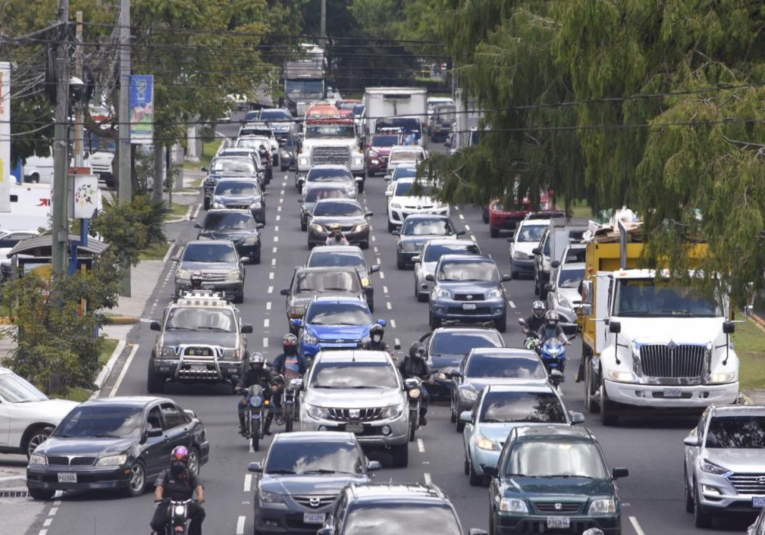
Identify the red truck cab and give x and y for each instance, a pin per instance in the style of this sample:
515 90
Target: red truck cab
507 219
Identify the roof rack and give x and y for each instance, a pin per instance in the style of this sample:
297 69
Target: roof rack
202 298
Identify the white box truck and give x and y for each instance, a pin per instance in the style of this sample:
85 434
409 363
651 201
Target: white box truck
404 108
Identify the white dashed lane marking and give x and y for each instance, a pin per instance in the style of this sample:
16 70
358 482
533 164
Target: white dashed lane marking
636 525
393 323
512 305
385 289
428 479
420 445
265 344
270 289
240 525
271 275
266 323
467 227
390 307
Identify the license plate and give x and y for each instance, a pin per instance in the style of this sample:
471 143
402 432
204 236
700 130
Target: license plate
468 306
354 428
67 477
558 522
672 393
313 518
199 368
758 502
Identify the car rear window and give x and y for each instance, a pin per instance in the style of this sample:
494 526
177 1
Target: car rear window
504 367
531 407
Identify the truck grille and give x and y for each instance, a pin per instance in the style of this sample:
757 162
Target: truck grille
748 483
560 508
355 415
199 353
331 155
314 502
667 361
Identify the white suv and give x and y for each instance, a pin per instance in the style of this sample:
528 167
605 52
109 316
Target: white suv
404 202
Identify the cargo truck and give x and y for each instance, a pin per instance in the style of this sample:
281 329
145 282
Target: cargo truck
391 108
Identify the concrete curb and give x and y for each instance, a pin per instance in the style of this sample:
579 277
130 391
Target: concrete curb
183 219
757 319
107 369
122 320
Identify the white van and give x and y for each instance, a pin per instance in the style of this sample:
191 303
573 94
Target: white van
30 207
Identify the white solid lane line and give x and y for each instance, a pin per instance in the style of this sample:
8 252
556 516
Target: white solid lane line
636 525
248 483
240 525
420 445
128 362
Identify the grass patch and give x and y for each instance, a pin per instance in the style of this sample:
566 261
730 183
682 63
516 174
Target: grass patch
177 210
749 342
208 151
580 209
80 394
155 251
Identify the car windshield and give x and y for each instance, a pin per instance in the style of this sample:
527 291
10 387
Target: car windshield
647 298
359 374
101 420
229 220
253 143
384 141
305 457
280 116
397 518
505 367
428 227
570 278
256 131
468 271
315 194
736 432
358 110
531 233
405 189
238 188
209 252
406 156
339 209
304 88
200 319
14 389
446 343
334 174
315 131
446 112
556 458
576 255
326 281
338 314
531 407
223 165
334 259
404 171
433 253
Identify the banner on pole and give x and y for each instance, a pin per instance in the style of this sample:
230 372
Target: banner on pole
141 109
5 137
85 196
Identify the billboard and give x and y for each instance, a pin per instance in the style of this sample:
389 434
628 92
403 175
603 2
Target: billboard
141 109
5 137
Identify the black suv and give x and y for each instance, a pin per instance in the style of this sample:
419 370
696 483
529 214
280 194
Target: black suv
239 226
393 508
552 478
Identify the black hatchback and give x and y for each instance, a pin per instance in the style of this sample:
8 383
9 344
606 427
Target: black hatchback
120 443
239 226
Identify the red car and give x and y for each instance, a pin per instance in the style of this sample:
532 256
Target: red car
378 150
346 106
501 219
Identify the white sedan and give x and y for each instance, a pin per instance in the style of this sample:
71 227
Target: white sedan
403 202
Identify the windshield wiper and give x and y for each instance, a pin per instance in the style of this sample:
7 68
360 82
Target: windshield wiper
281 471
216 329
325 471
179 329
106 436
360 387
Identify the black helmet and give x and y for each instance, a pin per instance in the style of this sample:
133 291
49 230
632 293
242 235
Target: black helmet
417 350
257 358
289 344
376 330
538 307
551 318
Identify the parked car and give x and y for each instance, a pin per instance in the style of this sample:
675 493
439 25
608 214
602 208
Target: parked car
522 243
28 416
342 256
406 199
724 460
360 392
346 215
378 149
417 230
398 507
120 443
315 194
238 226
553 477
499 409
492 366
216 263
425 263
239 194
468 289
301 477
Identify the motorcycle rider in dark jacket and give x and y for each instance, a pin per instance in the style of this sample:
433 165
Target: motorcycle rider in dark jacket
537 319
178 483
414 365
255 375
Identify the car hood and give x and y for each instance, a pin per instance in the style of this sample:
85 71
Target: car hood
445 362
233 235
414 202
469 287
345 332
237 199
353 398
382 151
208 266
500 432
477 384
356 220
525 247
421 240
176 338
51 410
85 446
550 487
428 268
737 460
313 484
570 294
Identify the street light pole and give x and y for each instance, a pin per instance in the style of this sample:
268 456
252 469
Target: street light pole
125 171
323 23
60 223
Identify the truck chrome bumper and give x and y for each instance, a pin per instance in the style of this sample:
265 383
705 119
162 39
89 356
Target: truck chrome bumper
659 397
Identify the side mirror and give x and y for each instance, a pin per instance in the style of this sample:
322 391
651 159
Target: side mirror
374 269
536 250
691 440
260 225
246 329
255 467
191 413
506 278
381 322
285 291
576 417
154 432
549 287
416 259
615 327
396 232
729 327
555 264
455 374
205 170
389 193
369 214
373 466
155 326
297 322
617 473
197 225
490 471
460 233
430 278
466 417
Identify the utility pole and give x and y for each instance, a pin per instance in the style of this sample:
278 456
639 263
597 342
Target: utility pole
60 234
323 23
125 171
79 156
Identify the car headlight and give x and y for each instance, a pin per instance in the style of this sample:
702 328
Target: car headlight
183 274
310 339
520 255
317 228
469 395
442 293
257 205
360 227
494 294
250 242
318 413
112 460
303 161
483 443
513 505
166 352
269 497
375 161
392 412
395 205
358 161
409 247
711 468
37 458
366 282
297 311
621 377
728 377
602 506
234 276
217 204
232 354
350 190
563 301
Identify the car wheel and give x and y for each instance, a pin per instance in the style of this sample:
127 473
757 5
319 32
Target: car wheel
303 225
452 410
361 187
37 435
494 232
400 455
422 297
460 427
391 226
256 260
364 245
239 298
589 395
700 518
466 468
435 322
609 414
194 461
536 285
41 494
371 304
688 494
155 383
207 203
475 479
283 168
485 216
501 324
400 262
137 482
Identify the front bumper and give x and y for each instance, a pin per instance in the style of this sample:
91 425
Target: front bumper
88 478
354 238
372 437
285 517
232 289
450 310
729 501
482 458
505 222
692 397
396 216
537 523
523 265
407 255
191 371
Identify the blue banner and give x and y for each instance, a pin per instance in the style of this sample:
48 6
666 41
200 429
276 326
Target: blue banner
141 109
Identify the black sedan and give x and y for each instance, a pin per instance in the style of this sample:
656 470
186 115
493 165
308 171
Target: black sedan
346 215
240 194
120 443
239 226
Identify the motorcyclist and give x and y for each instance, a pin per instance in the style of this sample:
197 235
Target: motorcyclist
537 318
255 375
376 334
289 364
414 365
336 237
552 328
178 483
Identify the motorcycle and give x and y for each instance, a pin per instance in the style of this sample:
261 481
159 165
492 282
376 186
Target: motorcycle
552 352
177 517
290 404
413 386
255 415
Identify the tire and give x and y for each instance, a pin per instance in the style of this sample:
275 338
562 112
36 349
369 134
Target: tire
485 217
700 518
371 305
42 495
303 225
542 292
239 298
466 467
589 398
400 262
206 203
494 232
283 169
688 494
256 260
514 275
195 461
536 286
501 324
400 455
36 178
255 438
421 297
460 427
361 187
412 430
391 226
435 322
137 482
288 422
474 479
609 415
364 245
35 437
155 384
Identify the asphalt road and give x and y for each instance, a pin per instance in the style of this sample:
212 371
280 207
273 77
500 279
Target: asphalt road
650 447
